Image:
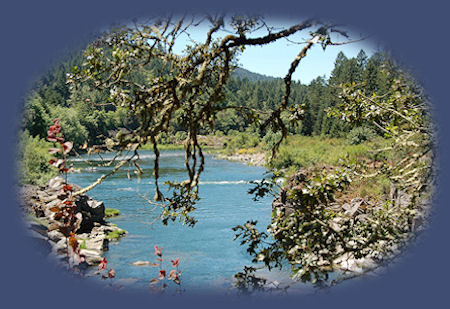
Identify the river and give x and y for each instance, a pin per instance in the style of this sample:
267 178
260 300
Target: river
208 255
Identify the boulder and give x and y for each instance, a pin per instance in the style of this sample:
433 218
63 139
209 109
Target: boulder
92 257
140 263
92 211
59 247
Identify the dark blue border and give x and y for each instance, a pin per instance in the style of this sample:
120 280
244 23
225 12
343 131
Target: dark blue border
34 33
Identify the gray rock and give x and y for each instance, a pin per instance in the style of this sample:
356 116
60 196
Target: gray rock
97 242
55 235
59 247
55 183
49 198
53 203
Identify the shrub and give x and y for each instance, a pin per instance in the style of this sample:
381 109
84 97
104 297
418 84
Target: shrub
33 160
360 134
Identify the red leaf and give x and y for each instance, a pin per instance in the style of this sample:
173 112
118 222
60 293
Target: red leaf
162 274
177 280
154 281
56 163
55 209
67 147
68 188
111 273
159 260
53 150
176 262
172 274
102 265
158 251
73 242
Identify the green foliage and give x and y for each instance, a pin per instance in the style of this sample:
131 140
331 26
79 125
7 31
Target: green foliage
36 118
71 124
314 237
242 140
33 158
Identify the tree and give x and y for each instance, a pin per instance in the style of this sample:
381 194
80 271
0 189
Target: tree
193 86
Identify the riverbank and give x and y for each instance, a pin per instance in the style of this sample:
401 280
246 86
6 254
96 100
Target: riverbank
256 159
93 235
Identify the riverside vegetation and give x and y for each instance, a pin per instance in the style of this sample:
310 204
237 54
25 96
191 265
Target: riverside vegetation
355 150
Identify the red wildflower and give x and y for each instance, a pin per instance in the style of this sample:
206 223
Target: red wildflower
176 262
102 265
158 251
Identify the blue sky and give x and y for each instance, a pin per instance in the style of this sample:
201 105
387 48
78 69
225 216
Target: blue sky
274 59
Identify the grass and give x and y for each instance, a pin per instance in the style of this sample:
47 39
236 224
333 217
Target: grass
111 212
306 152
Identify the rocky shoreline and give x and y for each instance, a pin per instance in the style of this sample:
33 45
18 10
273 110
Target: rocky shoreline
93 235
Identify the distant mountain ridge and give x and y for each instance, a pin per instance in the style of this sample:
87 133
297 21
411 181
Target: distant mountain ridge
251 76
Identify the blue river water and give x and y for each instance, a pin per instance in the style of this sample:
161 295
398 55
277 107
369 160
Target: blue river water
208 255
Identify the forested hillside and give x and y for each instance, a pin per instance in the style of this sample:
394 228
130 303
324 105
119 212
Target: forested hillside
89 117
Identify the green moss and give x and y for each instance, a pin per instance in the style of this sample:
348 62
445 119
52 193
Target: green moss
83 244
114 235
111 212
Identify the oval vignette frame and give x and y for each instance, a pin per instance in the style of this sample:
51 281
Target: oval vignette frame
400 284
